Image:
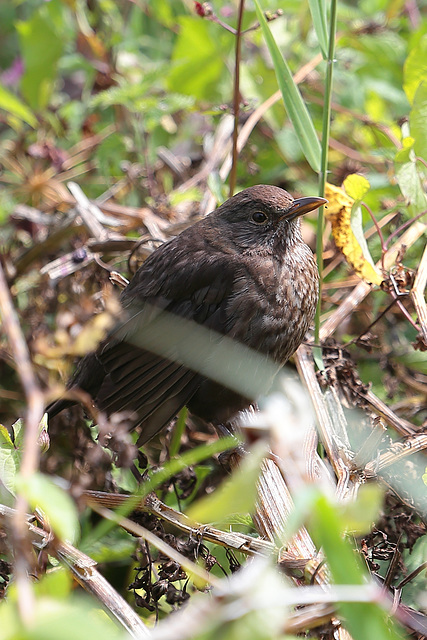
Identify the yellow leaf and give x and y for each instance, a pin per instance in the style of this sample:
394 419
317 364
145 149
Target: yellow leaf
338 212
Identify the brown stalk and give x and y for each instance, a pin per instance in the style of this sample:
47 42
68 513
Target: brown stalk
30 451
236 98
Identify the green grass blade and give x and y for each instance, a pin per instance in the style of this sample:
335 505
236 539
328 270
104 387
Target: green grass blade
294 104
318 14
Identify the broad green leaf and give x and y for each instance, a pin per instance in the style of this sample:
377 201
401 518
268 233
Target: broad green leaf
55 503
16 107
407 152
418 121
236 495
415 68
197 63
10 458
41 49
415 360
319 16
411 186
294 104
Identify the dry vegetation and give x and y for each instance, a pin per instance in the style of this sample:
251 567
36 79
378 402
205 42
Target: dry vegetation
129 127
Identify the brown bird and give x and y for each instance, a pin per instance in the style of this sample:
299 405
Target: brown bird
243 272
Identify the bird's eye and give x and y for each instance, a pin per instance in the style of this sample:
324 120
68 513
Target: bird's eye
259 217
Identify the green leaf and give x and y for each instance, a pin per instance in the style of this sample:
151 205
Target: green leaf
415 360
197 65
294 104
411 186
41 49
10 458
56 504
236 495
360 515
327 527
415 68
16 107
356 223
319 16
418 121
55 618
170 468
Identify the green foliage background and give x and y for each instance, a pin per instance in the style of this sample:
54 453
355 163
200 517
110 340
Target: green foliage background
143 76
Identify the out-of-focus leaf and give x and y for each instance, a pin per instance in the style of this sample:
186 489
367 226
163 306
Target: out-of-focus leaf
55 503
410 184
363 620
339 213
356 186
294 104
197 65
59 618
41 48
10 458
319 16
16 107
418 121
415 68
236 495
415 360
360 515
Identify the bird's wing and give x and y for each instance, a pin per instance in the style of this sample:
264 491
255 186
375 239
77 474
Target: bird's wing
144 372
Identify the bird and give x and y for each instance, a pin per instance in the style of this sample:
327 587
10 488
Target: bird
243 274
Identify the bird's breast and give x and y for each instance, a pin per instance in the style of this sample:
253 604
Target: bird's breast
276 303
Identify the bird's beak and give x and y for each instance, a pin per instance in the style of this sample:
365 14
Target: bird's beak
301 206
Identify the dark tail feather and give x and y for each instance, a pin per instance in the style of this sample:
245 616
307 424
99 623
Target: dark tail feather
89 376
59 405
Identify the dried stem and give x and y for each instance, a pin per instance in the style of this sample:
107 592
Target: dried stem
30 453
236 98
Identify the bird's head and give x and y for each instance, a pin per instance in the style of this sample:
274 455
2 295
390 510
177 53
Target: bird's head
257 216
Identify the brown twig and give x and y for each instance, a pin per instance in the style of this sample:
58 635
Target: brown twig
30 452
236 98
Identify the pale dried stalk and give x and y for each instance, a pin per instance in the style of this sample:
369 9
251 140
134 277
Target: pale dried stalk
237 541
305 366
417 294
85 572
396 452
89 212
359 293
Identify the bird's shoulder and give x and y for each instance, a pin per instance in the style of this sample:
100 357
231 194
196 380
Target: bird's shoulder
192 265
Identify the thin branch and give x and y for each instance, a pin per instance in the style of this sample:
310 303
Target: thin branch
30 449
236 98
